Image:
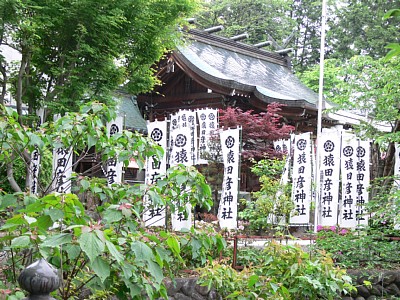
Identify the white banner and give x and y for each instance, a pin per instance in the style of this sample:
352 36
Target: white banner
180 152
347 217
34 171
397 166
114 167
330 176
155 216
34 165
62 169
363 177
188 120
301 178
230 143
208 122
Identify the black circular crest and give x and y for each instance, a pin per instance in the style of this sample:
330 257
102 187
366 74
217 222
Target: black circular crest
360 151
230 141
329 146
301 144
180 140
114 129
156 134
348 151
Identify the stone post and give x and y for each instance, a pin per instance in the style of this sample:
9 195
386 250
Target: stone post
39 279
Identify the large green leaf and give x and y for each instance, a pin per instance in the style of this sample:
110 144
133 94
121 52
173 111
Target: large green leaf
155 271
20 242
112 215
174 245
91 245
55 214
142 251
101 268
114 252
57 240
8 200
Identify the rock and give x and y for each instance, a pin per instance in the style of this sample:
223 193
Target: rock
179 296
389 277
173 287
188 286
363 291
202 290
377 290
213 295
392 289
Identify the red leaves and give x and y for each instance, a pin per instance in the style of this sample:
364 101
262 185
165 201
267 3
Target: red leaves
258 130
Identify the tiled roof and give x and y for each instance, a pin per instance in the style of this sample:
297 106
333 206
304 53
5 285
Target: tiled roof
245 68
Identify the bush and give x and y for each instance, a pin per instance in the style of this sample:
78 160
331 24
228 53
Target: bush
282 272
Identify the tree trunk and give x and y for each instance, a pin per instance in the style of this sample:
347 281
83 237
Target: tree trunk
10 175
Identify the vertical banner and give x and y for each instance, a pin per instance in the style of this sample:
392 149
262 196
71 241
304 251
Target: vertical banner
348 166
230 143
180 154
174 124
155 216
302 178
397 166
363 177
188 121
62 167
34 164
114 167
329 163
208 122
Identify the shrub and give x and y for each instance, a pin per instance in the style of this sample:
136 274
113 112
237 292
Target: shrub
283 272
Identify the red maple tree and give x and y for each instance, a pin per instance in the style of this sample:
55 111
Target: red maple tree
259 130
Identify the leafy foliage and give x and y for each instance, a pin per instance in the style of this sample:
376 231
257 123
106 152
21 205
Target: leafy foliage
72 51
261 20
282 272
103 246
272 201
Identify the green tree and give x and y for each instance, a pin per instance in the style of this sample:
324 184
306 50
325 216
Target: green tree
262 20
108 249
75 51
358 28
72 51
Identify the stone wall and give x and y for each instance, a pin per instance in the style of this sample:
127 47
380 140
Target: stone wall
384 285
188 289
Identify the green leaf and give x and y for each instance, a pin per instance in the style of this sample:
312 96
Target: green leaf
55 214
112 215
34 207
274 287
101 268
57 240
174 245
142 251
91 245
44 222
85 184
20 242
114 252
253 279
155 271
8 200
14 222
